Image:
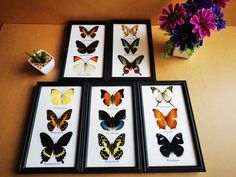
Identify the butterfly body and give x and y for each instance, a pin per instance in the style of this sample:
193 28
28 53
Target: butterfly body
130 47
168 120
111 148
129 31
85 32
56 148
163 96
131 66
82 48
115 99
82 67
171 147
61 98
112 123
58 122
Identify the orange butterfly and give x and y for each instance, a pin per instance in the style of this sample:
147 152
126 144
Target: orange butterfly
115 99
169 120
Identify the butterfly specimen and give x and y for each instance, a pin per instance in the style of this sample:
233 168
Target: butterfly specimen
130 47
113 149
82 67
163 121
163 96
170 147
59 122
115 99
57 148
89 49
61 98
131 66
112 123
130 31
85 32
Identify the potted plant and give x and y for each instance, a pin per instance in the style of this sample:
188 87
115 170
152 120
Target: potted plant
189 23
42 61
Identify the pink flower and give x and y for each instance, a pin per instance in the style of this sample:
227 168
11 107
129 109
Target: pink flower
221 3
203 21
173 17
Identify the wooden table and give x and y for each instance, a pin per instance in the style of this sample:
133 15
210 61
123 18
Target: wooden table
210 74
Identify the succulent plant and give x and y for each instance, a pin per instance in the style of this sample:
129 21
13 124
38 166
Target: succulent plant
39 57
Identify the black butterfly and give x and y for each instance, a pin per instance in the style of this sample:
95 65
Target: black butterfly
130 47
56 148
85 32
129 66
83 49
170 147
115 122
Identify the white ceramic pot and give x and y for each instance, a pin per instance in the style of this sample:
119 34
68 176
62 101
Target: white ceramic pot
178 53
47 67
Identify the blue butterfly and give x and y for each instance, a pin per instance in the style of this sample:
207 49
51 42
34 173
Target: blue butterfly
112 123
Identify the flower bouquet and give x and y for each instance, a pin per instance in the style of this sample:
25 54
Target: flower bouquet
189 23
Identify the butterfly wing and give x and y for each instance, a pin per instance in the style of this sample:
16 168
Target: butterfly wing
79 65
166 94
106 120
125 30
117 121
62 123
117 152
59 150
133 46
127 46
171 118
90 65
92 47
165 148
47 142
126 63
103 142
134 30
66 97
158 94
117 98
137 62
106 97
92 33
52 117
81 47
56 96
160 119
83 31
177 149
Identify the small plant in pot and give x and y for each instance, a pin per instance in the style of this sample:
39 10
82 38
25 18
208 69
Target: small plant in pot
42 61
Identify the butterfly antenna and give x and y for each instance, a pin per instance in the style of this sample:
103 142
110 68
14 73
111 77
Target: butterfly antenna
171 104
41 161
157 104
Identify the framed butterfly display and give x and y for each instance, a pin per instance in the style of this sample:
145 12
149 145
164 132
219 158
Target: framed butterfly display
112 138
168 127
85 54
53 133
132 55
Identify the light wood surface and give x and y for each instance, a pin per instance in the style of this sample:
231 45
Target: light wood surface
60 11
210 76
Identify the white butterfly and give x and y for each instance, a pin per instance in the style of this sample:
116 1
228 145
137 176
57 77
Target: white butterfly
85 67
163 96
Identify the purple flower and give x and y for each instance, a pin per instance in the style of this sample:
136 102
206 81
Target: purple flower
203 21
221 3
220 23
184 38
173 17
192 6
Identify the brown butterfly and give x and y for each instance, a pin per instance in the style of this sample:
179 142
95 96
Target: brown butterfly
59 122
131 66
85 32
163 121
127 31
115 99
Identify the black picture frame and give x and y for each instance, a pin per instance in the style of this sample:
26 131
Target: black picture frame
65 53
150 52
199 167
23 168
136 134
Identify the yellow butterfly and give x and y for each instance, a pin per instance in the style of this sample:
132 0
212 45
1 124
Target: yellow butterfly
133 30
61 98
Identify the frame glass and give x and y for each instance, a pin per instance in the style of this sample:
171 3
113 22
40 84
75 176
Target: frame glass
53 132
85 53
171 140
112 138
132 55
